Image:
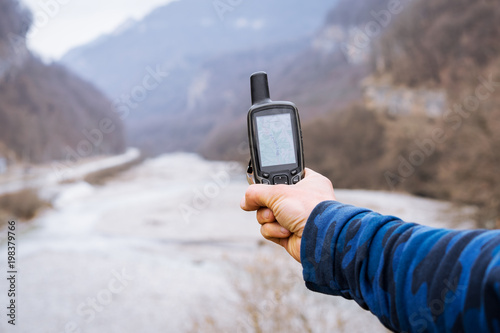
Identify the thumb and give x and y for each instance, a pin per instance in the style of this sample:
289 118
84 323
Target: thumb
257 196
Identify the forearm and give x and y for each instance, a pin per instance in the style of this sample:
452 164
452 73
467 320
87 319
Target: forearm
414 278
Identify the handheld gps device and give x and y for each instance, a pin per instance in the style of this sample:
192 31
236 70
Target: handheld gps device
274 136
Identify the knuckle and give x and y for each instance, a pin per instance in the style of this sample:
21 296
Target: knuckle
250 194
260 216
249 191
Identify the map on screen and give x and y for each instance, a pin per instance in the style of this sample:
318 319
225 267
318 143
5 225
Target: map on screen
276 143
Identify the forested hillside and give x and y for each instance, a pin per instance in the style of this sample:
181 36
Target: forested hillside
46 112
433 45
441 43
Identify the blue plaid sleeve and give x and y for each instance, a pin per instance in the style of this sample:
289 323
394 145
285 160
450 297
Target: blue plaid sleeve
412 277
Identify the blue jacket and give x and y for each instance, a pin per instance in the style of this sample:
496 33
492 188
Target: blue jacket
413 278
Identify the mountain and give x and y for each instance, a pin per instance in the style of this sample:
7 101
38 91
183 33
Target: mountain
452 46
46 112
202 54
437 62
190 31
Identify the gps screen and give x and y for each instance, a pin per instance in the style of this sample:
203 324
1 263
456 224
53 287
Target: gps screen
276 144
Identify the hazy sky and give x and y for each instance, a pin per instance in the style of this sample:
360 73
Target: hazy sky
60 25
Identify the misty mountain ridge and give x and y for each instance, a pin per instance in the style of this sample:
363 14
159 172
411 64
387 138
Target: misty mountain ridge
191 31
208 55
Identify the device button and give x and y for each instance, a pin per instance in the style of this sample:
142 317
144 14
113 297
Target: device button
266 182
266 175
295 180
280 180
294 172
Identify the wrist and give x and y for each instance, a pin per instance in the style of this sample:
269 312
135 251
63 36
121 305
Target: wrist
311 228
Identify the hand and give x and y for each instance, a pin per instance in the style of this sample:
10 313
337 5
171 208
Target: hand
283 210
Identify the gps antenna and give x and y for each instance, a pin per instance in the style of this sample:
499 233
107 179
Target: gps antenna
259 87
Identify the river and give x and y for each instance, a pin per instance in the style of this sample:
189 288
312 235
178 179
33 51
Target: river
164 247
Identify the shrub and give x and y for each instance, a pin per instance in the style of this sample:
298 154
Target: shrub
24 205
269 296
